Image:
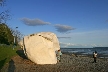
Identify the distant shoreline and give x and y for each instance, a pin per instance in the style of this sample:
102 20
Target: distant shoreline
80 54
85 48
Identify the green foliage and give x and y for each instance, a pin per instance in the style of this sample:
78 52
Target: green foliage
6 36
6 53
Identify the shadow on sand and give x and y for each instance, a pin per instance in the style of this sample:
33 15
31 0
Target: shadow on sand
11 67
21 54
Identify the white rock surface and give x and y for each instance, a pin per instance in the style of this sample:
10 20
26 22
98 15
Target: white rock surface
40 47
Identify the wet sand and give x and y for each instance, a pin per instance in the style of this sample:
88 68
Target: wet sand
69 63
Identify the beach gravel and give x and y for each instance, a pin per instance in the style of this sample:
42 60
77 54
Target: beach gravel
69 63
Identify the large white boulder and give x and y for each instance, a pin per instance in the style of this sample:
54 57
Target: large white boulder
40 47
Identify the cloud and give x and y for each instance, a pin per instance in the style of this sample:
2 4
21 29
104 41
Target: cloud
107 21
34 22
95 45
87 39
63 28
71 45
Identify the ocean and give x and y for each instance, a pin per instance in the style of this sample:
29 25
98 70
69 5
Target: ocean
102 51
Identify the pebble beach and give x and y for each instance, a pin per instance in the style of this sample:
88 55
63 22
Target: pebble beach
69 63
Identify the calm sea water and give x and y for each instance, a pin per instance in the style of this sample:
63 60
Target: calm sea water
102 51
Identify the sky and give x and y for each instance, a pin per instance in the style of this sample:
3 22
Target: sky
77 23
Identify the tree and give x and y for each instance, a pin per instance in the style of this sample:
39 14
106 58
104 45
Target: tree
2 2
17 34
6 36
4 15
